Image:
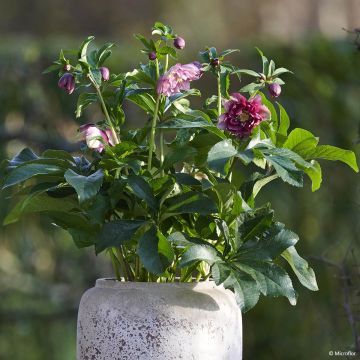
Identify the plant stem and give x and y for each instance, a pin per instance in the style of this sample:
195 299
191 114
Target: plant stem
120 258
219 93
106 113
166 63
161 152
152 132
157 69
115 265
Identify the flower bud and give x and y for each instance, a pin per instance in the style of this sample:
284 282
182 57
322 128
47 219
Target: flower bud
105 73
274 90
215 62
67 67
96 138
179 43
262 77
152 55
67 82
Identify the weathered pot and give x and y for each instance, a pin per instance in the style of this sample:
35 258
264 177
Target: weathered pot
153 321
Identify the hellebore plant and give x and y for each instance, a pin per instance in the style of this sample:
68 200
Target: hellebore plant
175 200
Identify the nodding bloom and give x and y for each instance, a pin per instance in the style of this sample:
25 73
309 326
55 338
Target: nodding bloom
152 55
275 90
178 78
179 43
96 138
105 73
67 82
242 116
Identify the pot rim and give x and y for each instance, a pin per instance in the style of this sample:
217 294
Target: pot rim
115 284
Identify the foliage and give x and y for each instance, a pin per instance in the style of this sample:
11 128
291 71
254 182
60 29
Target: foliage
189 211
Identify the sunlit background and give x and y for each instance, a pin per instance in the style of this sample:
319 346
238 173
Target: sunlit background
43 274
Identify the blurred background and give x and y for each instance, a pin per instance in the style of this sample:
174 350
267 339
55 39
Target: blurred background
43 274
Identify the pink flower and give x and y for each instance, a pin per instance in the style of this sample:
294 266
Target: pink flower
67 82
178 78
96 138
242 116
105 73
179 43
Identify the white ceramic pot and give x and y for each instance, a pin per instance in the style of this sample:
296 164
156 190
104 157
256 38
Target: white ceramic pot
153 321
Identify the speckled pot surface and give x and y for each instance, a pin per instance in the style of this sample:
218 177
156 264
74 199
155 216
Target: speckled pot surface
153 321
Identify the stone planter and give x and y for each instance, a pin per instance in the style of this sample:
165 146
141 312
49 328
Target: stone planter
153 321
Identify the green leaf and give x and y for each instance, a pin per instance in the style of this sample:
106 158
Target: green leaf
180 239
315 175
261 183
190 202
83 48
248 72
28 171
116 233
142 190
253 223
301 268
23 156
228 52
197 253
269 246
178 154
284 122
265 61
180 123
271 278
280 71
86 186
328 152
242 284
53 67
300 141
143 100
286 169
251 88
82 238
155 251
84 100
38 202
288 154
219 156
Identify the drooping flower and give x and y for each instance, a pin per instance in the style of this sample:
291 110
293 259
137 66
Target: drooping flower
178 78
242 116
152 55
105 73
275 90
96 138
179 43
67 82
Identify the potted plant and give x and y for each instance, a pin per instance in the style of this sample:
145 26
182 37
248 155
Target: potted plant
173 202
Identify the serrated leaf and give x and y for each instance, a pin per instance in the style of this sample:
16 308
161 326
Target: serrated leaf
301 268
284 121
315 175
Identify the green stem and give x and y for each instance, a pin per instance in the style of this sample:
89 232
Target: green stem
115 265
152 132
166 63
120 258
106 113
161 152
219 93
157 68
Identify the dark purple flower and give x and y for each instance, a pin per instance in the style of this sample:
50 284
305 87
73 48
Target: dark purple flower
242 116
215 62
96 138
67 82
178 78
152 55
275 90
179 43
105 73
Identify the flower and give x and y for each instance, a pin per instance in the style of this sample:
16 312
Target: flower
67 67
275 90
105 73
242 115
179 43
178 78
96 138
152 55
67 82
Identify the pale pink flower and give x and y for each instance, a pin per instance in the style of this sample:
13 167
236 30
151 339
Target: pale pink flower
178 78
96 138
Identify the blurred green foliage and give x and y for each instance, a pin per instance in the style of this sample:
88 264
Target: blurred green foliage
42 274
